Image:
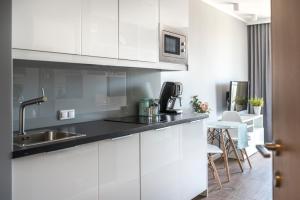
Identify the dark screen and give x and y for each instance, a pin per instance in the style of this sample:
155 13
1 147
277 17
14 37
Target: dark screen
172 45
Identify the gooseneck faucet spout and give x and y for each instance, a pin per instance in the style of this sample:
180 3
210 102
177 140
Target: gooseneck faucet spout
23 105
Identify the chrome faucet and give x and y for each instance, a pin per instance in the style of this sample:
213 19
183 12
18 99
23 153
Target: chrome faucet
23 105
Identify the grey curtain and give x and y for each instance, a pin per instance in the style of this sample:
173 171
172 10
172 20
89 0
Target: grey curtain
260 70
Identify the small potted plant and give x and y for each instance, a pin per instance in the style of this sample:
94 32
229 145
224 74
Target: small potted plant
257 103
199 106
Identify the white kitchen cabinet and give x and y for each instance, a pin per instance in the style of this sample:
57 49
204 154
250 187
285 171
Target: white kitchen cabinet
68 174
47 25
160 164
138 30
194 159
174 13
174 162
119 168
100 28
167 163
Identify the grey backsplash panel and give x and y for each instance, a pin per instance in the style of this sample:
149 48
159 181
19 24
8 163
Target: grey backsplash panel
95 92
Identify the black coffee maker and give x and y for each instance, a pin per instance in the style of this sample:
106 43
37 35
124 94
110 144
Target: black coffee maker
170 93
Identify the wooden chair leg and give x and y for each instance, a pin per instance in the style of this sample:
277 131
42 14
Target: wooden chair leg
216 174
212 171
234 150
247 158
242 153
210 167
211 135
225 156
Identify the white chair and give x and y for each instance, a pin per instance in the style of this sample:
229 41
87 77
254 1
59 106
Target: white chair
212 150
234 116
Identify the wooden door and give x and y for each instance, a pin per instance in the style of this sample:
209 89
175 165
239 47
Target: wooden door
286 95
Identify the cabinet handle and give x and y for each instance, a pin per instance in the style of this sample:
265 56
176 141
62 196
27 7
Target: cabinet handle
161 129
63 150
122 137
195 121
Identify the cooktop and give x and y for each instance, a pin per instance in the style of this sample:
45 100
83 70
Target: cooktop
140 119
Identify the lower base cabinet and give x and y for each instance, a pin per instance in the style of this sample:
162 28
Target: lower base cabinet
168 163
174 162
194 159
119 168
160 164
68 174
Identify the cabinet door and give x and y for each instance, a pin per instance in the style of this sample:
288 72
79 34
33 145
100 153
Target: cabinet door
174 13
100 28
47 25
138 37
69 174
194 159
119 169
160 164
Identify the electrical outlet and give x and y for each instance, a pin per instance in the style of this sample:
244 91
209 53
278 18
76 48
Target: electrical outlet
66 114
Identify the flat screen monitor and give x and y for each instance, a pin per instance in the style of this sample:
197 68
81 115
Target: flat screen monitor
238 96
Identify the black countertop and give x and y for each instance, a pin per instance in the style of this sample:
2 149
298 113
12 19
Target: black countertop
101 130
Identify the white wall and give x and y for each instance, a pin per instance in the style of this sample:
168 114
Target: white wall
217 54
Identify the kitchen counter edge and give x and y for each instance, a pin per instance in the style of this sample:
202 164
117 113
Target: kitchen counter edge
98 135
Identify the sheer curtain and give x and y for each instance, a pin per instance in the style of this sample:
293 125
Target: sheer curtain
260 70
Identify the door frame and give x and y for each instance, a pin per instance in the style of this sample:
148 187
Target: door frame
5 100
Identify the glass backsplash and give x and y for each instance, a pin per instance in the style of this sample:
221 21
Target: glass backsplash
95 92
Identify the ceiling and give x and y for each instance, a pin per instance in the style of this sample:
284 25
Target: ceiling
249 11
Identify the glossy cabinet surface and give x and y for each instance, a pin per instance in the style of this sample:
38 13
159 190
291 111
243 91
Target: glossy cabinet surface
119 169
44 25
160 164
167 163
194 159
174 13
68 174
138 30
100 28
174 162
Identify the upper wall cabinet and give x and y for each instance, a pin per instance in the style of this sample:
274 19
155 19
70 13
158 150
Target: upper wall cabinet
100 28
44 25
138 29
174 13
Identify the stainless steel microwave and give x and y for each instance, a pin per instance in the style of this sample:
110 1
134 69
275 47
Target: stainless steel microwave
173 46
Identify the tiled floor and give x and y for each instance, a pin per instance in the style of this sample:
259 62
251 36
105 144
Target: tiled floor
255 184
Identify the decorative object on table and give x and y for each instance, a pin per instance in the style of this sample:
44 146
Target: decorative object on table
257 103
199 106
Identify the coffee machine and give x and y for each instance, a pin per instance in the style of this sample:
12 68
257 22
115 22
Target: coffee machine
170 93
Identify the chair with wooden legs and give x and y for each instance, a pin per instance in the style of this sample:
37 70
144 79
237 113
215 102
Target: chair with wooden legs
234 116
218 132
212 150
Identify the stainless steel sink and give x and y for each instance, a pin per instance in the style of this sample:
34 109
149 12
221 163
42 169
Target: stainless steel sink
44 137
